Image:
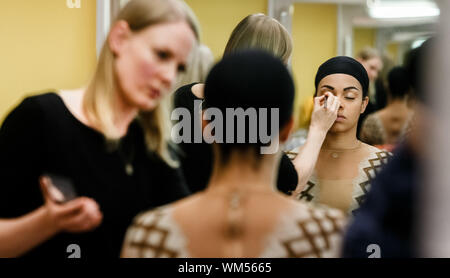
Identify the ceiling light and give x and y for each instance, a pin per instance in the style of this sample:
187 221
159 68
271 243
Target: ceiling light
417 43
402 9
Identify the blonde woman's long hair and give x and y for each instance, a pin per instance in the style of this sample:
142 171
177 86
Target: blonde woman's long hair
98 102
262 32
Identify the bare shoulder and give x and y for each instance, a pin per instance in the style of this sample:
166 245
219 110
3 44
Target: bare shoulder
73 99
368 147
373 149
198 90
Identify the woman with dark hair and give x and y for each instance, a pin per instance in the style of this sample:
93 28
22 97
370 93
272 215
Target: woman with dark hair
389 125
232 218
345 166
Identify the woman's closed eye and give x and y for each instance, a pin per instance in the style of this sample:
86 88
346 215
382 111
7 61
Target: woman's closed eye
350 96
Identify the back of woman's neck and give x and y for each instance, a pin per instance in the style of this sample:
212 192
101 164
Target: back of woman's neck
237 175
398 102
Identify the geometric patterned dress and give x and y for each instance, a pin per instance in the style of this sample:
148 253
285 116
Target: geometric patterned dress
304 232
367 171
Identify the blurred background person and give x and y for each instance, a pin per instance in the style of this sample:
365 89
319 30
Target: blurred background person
195 157
371 60
433 227
238 222
389 217
345 166
389 125
200 62
111 138
382 84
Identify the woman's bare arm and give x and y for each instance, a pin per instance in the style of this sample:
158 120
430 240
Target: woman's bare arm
323 117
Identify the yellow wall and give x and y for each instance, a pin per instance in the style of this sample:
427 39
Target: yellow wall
218 19
363 37
44 45
314 34
392 51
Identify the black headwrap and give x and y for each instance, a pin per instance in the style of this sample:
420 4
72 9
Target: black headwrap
345 65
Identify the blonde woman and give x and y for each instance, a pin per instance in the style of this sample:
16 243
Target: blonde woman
110 139
371 60
256 31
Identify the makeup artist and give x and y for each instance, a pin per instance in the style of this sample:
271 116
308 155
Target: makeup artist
110 139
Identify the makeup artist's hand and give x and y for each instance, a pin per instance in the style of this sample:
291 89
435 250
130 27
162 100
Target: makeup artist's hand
324 115
79 215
